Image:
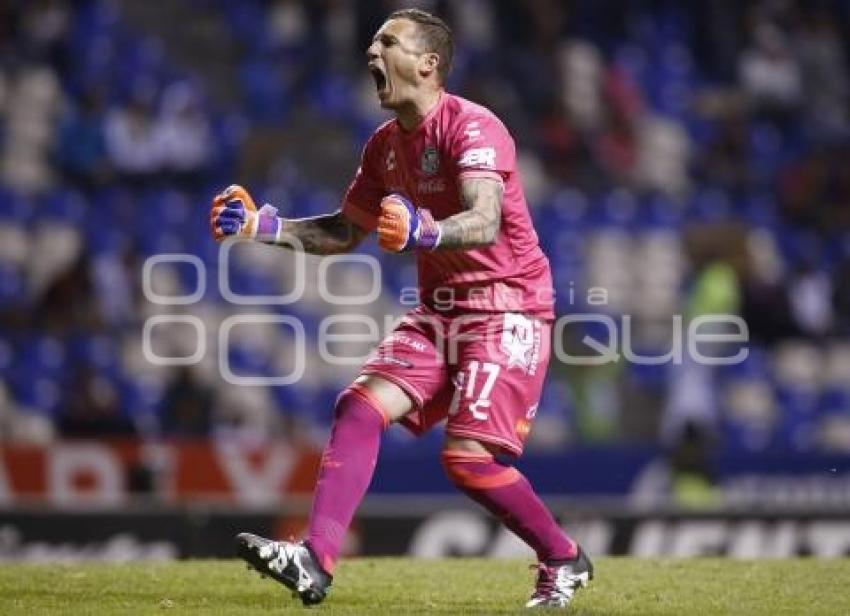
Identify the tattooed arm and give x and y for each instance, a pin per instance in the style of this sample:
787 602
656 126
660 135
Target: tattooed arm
478 224
321 235
234 214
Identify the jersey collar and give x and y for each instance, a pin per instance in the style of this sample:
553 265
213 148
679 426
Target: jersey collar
426 120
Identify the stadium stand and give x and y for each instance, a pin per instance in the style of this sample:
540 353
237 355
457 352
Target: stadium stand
686 160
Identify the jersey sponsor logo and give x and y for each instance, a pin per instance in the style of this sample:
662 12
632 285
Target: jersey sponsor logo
430 162
478 157
521 342
404 340
393 361
429 187
522 428
390 161
472 131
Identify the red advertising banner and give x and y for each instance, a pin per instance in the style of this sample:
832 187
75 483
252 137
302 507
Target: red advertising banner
97 473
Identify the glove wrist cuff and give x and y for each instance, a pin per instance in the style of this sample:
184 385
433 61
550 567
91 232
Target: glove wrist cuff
430 231
268 225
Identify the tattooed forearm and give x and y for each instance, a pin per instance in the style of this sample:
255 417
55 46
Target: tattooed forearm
321 235
479 224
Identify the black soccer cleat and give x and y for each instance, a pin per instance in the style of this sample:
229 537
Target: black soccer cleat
292 564
557 583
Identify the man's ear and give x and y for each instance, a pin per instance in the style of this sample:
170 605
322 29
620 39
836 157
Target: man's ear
429 64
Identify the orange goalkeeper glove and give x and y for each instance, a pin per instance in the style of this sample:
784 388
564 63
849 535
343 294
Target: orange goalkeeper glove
234 214
402 227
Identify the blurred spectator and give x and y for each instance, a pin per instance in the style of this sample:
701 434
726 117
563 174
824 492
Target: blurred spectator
692 400
20 425
693 484
810 295
815 190
664 157
834 433
801 188
186 406
841 298
131 139
69 302
725 162
45 25
683 476
563 150
115 278
582 69
770 74
10 15
824 76
288 24
81 149
750 413
33 99
340 33
91 408
474 24
617 142
765 301
616 149
3 94
717 40
184 136
247 413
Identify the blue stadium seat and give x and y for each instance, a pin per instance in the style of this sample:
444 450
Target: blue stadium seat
331 95
248 21
64 205
7 352
570 207
12 286
267 97
659 211
100 351
710 204
618 209
835 400
800 412
40 393
759 210
16 207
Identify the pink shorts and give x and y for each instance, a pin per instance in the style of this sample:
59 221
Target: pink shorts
482 371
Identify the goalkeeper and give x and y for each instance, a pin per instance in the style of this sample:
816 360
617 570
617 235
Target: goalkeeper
441 180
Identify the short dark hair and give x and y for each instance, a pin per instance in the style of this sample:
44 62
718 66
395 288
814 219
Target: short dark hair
434 33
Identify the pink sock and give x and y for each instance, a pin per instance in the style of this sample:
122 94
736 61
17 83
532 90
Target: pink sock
504 492
346 470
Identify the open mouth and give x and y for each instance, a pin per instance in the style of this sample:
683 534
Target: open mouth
379 77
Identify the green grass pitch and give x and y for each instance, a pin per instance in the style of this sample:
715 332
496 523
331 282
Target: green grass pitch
406 586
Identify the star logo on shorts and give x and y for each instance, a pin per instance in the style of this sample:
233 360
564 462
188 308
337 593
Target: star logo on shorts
518 352
518 341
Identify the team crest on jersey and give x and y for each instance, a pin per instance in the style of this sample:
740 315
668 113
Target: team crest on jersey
430 160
